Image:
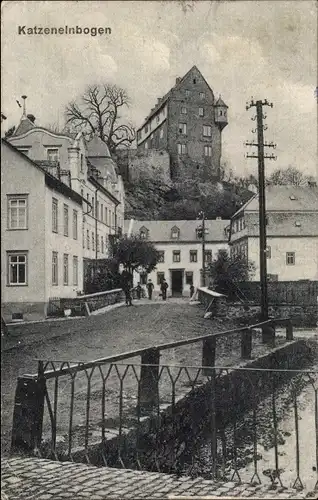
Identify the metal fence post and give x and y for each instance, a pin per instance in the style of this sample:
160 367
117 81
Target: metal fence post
149 380
268 334
289 331
246 344
28 413
208 355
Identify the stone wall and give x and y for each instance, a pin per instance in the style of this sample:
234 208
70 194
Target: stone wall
149 164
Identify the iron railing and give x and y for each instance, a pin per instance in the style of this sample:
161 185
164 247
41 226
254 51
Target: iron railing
164 417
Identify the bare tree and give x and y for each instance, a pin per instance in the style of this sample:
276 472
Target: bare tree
289 176
98 113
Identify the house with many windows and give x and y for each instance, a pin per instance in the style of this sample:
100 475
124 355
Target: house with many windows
88 169
179 244
187 122
292 232
41 244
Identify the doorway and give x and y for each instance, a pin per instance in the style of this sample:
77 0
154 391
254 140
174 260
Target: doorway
176 282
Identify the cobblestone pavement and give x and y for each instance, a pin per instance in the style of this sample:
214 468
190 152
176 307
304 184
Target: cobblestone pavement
39 479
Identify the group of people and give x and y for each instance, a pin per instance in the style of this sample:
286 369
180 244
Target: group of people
127 285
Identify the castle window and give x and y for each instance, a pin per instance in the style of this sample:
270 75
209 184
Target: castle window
201 111
202 95
183 110
187 93
194 81
143 233
181 149
290 258
207 131
207 150
183 128
175 233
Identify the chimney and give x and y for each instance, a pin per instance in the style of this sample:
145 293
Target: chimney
159 99
178 80
24 105
31 118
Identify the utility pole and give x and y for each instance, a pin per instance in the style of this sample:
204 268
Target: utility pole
262 201
202 217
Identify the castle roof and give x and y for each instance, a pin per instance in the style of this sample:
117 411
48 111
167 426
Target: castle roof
96 148
220 102
24 126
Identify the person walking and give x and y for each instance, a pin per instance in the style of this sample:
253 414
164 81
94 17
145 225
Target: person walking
163 287
150 288
191 290
126 286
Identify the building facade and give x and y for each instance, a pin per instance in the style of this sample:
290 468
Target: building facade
41 246
89 170
180 247
187 122
292 233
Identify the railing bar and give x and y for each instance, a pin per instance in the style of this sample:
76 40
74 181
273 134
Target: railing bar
298 480
88 402
56 387
71 417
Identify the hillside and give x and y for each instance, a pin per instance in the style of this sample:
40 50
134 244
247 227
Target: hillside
150 199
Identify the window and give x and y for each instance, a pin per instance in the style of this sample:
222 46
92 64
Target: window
93 206
17 212
106 222
182 149
93 241
82 163
176 256
184 110
161 133
146 129
102 212
193 256
83 236
87 239
189 277
201 111
54 215
143 278
17 268
175 233
102 244
65 269
160 277
139 135
52 154
24 151
207 131
75 224
183 128
75 270
97 243
290 258
202 95
55 274
161 256
194 80
158 118
208 151
97 210
208 256
268 252
110 218
146 145
187 93
65 220
143 233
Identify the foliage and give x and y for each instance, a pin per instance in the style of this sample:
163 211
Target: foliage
288 176
226 271
98 111
101 275
134 253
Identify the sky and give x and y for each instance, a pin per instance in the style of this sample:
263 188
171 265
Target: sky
260 49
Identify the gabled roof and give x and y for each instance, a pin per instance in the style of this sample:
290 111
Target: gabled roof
160 230
24 126
164 99
285 199
96 148
220 102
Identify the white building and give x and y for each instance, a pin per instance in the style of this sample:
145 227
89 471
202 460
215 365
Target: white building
41 245
292 233
180 250
89 170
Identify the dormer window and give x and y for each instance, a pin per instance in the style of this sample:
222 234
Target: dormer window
292 197
175 233
143 233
